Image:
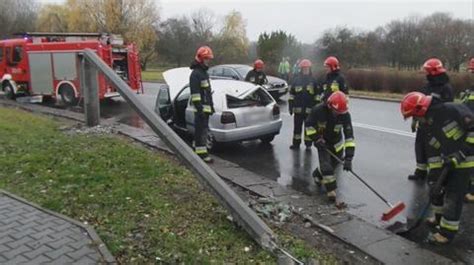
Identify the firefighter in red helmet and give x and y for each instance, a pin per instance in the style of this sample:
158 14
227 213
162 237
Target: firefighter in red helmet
257 75
330 127
451 130
440 89
201 98
301 101
334 81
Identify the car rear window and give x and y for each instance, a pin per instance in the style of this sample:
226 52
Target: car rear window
257 98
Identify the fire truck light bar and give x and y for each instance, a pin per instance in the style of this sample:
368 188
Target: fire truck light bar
57 34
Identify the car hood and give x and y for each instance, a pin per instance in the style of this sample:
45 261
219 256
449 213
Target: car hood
176 79
275 80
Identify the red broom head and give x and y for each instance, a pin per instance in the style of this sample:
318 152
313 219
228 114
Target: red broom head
392 212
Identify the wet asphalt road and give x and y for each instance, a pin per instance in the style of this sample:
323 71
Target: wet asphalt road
384 157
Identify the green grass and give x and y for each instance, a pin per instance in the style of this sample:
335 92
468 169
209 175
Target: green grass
143 204
153 74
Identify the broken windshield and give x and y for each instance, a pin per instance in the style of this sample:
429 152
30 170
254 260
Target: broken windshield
256 98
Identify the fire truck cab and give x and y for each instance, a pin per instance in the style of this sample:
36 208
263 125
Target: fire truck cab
47 64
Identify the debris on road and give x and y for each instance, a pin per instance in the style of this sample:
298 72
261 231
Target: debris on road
270 209
84 130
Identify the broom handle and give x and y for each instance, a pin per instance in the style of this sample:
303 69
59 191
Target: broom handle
360 179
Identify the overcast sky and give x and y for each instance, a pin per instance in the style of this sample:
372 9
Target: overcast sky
307 19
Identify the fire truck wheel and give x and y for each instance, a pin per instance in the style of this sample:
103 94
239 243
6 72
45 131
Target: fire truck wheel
9 92
68 95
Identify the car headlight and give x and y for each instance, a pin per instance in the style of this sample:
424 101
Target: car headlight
267 86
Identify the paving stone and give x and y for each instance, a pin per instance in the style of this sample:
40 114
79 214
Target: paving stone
40 260
16 251
19 242
17 260
359 233
61 242
61 260
84 251
59 251
38 251
22 233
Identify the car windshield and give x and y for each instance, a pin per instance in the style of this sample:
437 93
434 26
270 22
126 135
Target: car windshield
256 98
243 70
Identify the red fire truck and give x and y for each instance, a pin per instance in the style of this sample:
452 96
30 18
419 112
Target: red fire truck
47 64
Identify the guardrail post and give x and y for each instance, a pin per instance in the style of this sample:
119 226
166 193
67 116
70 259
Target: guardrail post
90 92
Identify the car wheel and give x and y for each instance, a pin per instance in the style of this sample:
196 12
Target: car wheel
267 139
68 96
9 91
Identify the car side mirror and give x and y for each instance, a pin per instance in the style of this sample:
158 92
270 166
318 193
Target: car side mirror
235 77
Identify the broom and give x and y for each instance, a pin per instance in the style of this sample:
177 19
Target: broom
394 208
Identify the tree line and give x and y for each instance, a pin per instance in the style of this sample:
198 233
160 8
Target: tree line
402 44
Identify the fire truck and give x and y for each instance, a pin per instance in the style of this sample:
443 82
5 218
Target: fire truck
47 64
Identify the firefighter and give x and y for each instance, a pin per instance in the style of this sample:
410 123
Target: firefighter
201 98
450 127
257 75
468 99
302 99
334 81
329 126
439 88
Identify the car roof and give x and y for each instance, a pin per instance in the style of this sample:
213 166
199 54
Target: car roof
232 65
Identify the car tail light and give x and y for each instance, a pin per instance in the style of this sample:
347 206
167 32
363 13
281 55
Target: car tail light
276 110
227 117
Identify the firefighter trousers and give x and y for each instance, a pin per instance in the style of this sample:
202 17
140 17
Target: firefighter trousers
420 150
325 173
299 121
448 205
201 127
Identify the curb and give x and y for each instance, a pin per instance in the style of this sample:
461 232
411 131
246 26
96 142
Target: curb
108 257
375 98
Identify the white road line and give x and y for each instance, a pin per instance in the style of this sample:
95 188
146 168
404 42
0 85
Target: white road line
384 129
377 128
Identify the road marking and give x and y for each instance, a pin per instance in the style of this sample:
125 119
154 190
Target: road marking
383 129
376 128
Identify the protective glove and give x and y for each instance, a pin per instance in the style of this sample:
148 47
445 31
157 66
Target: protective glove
347 164
453 159
320 143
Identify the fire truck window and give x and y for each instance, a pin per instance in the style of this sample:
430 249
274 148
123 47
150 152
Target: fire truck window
1 54
17 54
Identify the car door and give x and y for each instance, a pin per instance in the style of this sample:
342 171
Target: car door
163 106
230 73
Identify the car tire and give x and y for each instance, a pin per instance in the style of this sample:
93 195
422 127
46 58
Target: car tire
9 91
267 139
68 95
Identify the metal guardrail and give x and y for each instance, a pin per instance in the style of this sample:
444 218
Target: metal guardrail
241 213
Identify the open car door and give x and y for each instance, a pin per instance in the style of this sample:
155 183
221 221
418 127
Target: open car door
163 106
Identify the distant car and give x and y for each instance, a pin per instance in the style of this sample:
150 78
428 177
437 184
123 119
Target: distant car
277 87
244 111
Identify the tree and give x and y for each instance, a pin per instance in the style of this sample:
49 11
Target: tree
272 47
17 16
203 22
231 44
53 18
176 40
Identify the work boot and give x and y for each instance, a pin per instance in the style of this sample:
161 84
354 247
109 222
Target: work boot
208 159
433 221
438 239
331 196
294 147
469 198
418 175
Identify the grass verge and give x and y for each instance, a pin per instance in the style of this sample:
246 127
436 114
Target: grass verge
144 205
153 74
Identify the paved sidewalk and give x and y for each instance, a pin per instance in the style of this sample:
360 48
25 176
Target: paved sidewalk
32 235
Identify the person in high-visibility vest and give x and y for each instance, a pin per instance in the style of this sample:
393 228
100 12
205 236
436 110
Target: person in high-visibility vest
450 127
201 99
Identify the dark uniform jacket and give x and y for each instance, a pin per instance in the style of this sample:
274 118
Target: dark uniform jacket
451 130
334 81
201 93
439 88
336 130
302 94
256 77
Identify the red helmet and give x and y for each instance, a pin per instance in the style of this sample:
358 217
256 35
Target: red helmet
332 62
305 63
434 66
204 53
338 102
258 64
415 104
471 64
